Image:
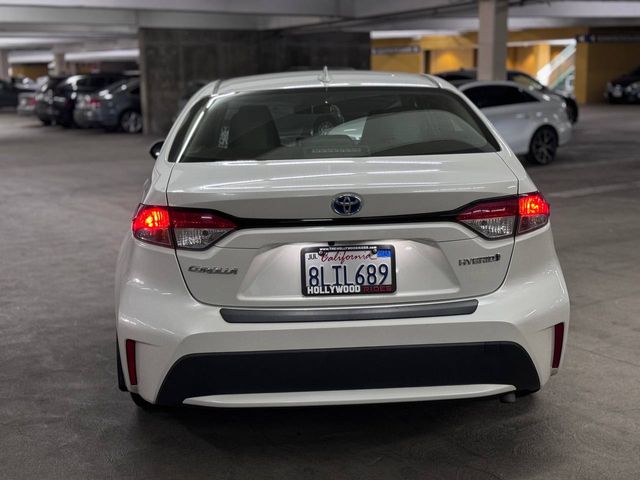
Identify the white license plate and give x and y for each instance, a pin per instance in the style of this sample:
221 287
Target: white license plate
348 270
617 93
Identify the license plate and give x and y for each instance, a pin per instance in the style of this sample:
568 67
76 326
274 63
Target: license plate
348 270
617 93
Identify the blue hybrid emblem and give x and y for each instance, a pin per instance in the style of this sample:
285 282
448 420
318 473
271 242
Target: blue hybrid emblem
347 204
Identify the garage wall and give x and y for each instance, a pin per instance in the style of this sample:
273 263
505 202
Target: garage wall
598 63
170 59
31 70
454 59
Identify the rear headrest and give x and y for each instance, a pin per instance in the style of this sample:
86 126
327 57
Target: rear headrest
252 129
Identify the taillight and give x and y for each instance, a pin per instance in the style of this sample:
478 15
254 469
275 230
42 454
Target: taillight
188 228
534 212
198 229
151 224
93 103
506 217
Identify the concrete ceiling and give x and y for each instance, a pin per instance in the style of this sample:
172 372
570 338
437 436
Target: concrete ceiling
87 25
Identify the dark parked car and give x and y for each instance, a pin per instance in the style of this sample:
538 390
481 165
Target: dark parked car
8 94
458 77
117 107
625 88
44 100
66 93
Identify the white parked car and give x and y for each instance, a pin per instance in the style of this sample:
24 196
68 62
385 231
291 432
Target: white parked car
411 261
531 122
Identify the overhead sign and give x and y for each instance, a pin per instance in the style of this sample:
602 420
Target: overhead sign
609 38
395 50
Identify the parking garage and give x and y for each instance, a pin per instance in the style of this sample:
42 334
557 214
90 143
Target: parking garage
69 192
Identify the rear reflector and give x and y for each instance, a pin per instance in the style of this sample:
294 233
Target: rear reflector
189 228
558 340
505 217
131 361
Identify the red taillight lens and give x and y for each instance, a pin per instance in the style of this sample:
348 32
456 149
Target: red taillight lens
190 228
534 212
506 217
493 219
152 225
198 229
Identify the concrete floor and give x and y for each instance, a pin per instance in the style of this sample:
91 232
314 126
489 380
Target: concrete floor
66 199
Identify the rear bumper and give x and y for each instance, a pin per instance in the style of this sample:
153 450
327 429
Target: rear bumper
366 368
187 352
87 118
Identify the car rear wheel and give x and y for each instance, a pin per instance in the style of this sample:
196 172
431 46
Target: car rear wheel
543 146
131 122
45 122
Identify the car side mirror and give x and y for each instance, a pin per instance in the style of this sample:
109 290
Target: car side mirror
154 151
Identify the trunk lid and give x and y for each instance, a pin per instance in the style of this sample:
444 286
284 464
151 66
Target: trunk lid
431 257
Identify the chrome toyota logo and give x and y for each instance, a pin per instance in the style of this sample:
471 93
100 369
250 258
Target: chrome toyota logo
347 204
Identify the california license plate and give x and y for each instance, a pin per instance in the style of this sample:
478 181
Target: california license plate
348 270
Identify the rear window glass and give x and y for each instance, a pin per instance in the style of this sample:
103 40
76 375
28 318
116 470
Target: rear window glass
333 123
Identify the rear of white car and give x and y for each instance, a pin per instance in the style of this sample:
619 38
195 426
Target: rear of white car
272 265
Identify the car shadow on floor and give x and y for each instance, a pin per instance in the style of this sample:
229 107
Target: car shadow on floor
449 439
255 426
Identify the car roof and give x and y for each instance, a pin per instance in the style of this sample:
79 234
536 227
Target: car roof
313 78
472 72
489 83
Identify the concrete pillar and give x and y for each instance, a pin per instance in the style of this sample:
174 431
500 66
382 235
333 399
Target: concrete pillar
172 59
58 64
492 39
4 65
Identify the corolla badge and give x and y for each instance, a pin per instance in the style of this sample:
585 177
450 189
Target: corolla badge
347 204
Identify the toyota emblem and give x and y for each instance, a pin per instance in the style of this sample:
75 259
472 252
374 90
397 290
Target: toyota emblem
347 204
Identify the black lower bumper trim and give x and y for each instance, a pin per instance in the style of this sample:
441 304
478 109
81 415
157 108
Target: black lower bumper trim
283 315
504 363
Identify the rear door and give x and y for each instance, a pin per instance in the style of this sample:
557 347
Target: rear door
286 209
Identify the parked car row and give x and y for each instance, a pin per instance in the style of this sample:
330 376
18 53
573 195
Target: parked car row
98 100
10 90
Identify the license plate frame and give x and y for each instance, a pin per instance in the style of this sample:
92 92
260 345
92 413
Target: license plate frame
383 289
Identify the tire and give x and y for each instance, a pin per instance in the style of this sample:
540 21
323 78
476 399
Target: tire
543 146
46 122
142 403
130 121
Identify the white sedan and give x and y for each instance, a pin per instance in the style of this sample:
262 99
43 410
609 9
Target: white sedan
410 260
532 123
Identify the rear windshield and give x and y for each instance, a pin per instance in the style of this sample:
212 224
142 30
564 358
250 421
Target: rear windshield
333 123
